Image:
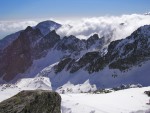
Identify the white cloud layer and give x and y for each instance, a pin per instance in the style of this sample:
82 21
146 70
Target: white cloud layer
117 26
8 27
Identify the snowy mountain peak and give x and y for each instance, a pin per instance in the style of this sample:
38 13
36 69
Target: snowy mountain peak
94 37
47 26
29 28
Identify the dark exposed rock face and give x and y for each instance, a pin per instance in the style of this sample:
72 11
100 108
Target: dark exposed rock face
61 65
125 53
92 40
71 43
16 58
44 44
37 101
18 50
74 65
86 59
132 51
75 46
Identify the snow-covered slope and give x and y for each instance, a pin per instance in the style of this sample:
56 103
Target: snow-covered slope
34 83
8 40
8 90
29 84
103 79
124 101
79 88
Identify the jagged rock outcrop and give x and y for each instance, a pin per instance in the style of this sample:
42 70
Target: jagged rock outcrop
131 51
61 65
44 44
92 40
71 44
35 101
125 53
86 59
75 46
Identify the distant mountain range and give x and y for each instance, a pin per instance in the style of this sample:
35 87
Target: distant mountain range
40 51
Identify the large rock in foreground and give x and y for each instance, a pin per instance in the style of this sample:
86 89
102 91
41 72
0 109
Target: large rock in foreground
35 101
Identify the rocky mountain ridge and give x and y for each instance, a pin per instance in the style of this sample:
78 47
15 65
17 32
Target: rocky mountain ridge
74 60
122 54
32 44
125 62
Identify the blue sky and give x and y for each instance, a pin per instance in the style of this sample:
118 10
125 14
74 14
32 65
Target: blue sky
32 9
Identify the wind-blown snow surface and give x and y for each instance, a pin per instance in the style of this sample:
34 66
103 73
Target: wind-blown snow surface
124 101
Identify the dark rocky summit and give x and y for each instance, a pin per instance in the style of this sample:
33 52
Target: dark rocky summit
36 101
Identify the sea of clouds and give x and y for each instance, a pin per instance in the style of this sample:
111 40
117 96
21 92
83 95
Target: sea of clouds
8 27
117 26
